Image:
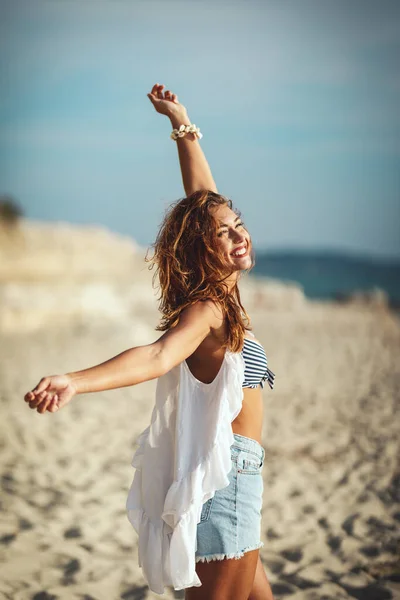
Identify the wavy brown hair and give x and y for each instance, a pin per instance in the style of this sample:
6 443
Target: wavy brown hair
191 268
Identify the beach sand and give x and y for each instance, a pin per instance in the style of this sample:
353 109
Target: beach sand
331 503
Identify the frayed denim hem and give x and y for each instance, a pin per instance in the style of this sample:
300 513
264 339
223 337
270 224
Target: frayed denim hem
235 555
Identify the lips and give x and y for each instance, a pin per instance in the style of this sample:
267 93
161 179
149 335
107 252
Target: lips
240 248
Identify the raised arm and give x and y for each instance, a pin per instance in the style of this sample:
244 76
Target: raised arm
196 172
134 365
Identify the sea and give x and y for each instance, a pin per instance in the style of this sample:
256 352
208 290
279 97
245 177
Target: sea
331 275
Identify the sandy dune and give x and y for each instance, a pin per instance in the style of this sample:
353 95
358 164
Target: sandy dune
331 509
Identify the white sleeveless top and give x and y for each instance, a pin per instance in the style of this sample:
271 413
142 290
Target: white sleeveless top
183 458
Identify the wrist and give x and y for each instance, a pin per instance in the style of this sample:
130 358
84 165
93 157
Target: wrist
179 119
73 382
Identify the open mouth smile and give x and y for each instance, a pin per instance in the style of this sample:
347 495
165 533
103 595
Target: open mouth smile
240 252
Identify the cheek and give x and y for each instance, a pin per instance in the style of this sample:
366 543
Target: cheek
221 245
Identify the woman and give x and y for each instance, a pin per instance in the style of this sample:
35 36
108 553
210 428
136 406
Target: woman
200 251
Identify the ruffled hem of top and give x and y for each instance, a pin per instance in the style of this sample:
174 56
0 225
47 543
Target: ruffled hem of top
183 503
153 540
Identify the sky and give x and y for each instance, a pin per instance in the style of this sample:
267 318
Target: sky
298 102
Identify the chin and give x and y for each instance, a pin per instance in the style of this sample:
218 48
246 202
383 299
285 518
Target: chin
246 264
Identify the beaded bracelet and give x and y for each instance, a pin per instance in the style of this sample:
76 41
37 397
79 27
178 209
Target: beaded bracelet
184 129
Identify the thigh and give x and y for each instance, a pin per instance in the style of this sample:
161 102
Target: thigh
261 589
225 579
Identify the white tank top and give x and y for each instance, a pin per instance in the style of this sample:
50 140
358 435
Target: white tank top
183 458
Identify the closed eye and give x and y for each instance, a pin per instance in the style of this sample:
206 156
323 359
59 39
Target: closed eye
240 224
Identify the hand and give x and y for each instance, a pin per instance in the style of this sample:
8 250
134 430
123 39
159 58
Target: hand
51 393
166 103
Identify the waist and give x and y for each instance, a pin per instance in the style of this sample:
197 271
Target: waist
245 443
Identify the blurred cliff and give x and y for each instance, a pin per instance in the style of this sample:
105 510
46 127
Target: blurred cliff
52 273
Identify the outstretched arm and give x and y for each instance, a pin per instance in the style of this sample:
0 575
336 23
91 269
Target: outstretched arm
134 365
196 172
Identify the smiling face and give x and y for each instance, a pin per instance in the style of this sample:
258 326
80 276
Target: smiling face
232 238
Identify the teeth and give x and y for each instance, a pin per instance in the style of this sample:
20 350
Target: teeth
239 252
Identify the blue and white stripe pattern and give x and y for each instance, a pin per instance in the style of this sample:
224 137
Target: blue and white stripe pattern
256 370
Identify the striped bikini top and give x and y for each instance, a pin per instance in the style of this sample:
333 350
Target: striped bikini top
256 370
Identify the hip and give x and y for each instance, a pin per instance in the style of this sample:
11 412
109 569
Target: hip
230 521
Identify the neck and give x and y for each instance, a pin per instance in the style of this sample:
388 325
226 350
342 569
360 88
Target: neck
232 280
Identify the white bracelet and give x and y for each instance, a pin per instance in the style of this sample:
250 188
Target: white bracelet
184 129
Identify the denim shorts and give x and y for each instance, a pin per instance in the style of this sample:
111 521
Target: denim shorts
230 522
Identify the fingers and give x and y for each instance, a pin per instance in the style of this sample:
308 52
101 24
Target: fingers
42 385
53 406
50 404
157 93
45 401
38 392
34 397
41 397
157 89
170 96
37 399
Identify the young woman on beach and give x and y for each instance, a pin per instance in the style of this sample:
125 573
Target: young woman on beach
208 364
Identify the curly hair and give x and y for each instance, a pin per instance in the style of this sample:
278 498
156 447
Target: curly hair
191 268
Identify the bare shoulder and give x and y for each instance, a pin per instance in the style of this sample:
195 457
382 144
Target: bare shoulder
216 312
250 335
207 309
196 323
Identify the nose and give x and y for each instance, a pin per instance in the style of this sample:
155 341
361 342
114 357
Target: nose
239 236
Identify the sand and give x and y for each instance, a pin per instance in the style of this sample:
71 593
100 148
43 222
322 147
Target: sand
331 504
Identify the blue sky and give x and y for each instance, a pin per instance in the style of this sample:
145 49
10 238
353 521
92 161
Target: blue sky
298 101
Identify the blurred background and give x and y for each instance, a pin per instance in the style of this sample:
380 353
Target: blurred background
299 103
